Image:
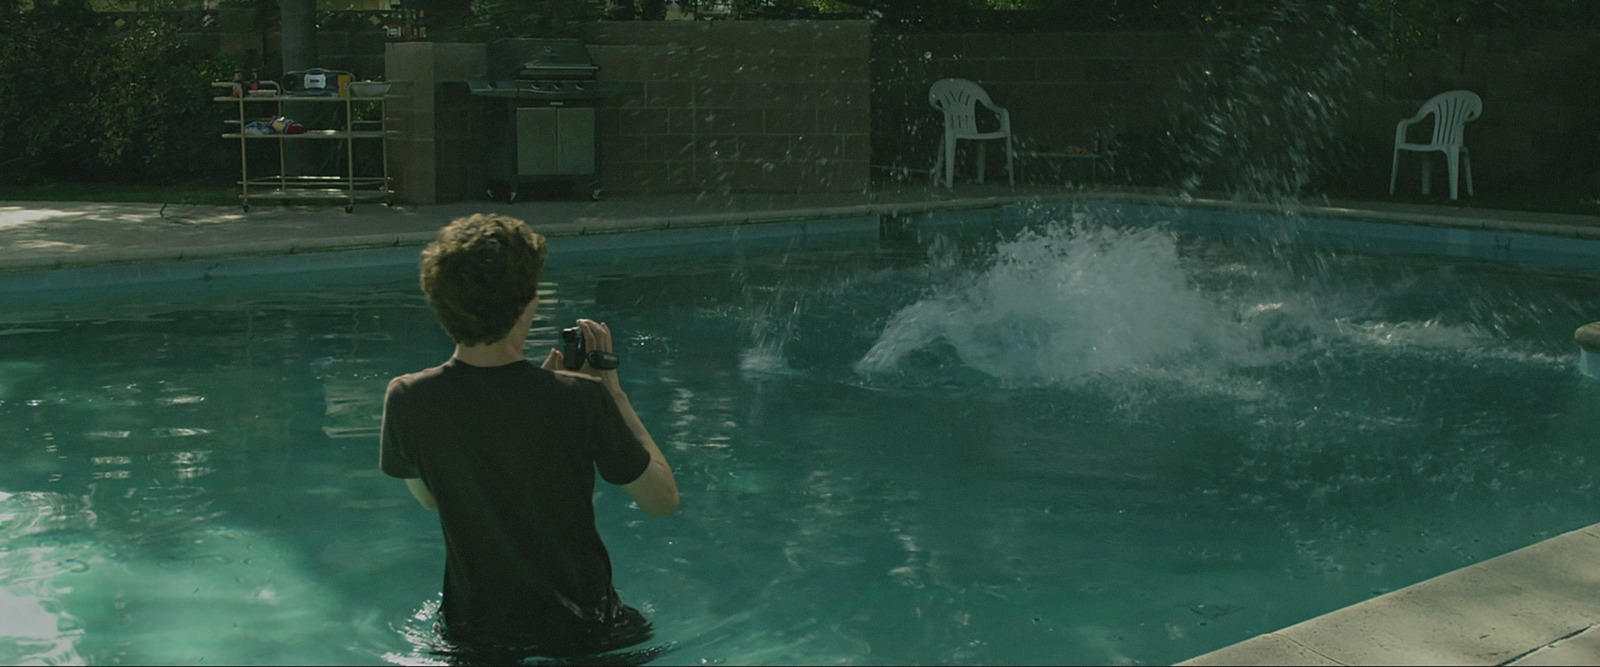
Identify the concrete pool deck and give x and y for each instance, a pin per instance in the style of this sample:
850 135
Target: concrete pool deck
1539 605
38 236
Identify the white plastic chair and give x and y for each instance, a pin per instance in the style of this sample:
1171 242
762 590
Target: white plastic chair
1451 111
958 99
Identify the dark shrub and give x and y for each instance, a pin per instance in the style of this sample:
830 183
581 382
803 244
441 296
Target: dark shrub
82 98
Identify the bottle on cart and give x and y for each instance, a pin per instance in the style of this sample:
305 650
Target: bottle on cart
255 80
422 28
238 83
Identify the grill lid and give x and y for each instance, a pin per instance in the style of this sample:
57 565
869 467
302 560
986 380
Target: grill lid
540 59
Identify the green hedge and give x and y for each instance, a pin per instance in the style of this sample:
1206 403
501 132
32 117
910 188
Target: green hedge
84 99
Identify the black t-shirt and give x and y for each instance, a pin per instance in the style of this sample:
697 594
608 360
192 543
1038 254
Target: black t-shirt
510 452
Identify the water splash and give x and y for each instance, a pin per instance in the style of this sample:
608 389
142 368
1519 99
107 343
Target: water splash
1062 303
1271 103
1070 301
770 331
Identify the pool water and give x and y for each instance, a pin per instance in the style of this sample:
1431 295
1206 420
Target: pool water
1079 442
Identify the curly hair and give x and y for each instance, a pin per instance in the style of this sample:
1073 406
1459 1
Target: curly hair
480 274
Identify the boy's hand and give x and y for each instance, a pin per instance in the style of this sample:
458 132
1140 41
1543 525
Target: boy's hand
553 362
596 337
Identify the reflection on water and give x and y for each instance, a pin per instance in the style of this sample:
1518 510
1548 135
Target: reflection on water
1085 443
191 433
35 624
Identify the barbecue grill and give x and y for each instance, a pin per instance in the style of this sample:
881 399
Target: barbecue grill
541 106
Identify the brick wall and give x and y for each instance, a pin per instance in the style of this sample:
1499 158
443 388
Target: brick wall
734 106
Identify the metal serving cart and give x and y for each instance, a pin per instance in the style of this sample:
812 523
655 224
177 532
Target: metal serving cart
347 187
542 114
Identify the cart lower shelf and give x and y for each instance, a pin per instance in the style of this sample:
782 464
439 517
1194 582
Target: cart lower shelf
307 192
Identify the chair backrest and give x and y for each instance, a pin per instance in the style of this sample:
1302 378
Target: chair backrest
958 98
1451 111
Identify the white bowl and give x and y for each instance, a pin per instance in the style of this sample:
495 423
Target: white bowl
369 88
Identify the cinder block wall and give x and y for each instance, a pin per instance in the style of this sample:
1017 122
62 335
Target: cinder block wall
1058 87
1539 118
735 106
806 106
437 155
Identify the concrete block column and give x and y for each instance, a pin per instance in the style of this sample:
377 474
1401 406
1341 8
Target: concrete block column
436 157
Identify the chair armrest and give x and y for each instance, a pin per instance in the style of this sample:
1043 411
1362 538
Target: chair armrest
1005 116
1400 128
1420 115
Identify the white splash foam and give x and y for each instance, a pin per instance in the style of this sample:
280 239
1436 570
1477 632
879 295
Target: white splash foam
1063 303
762 361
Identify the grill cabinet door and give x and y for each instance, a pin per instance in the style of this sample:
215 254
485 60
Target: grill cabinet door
575 149
555 141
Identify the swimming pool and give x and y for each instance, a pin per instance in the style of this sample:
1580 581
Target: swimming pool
1028 436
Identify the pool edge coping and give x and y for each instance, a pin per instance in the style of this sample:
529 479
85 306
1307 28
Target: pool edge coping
420 238
1445 619
1469 220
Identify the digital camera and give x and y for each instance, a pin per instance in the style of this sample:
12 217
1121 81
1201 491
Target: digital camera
574 351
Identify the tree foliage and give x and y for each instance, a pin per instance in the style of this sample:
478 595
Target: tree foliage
81 97
1409 18
1410 25
34 120
489 19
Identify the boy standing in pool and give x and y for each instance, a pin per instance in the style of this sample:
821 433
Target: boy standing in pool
507 451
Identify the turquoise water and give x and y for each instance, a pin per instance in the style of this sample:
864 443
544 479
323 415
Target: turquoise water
1080 443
